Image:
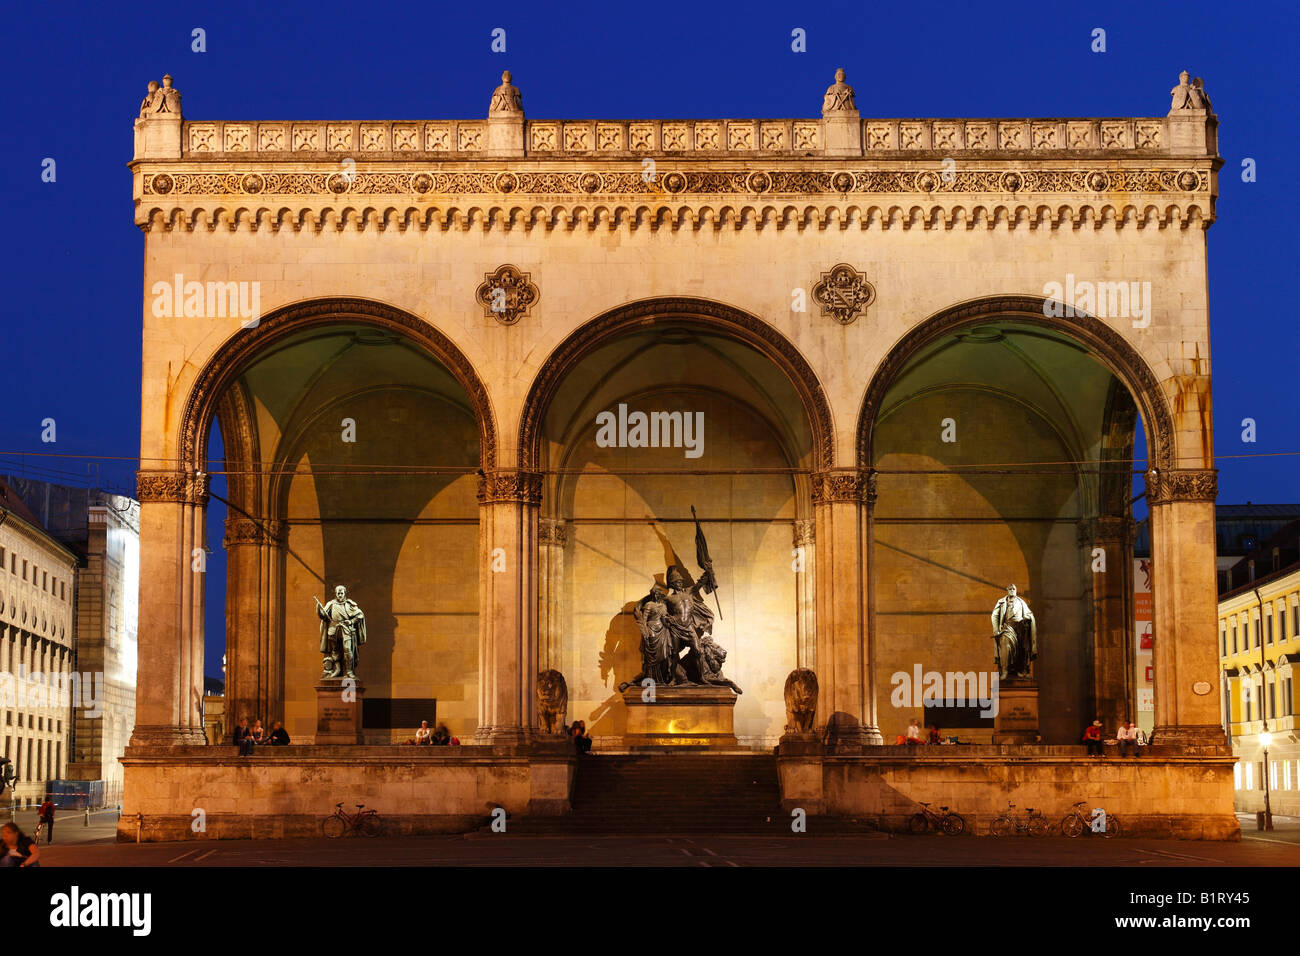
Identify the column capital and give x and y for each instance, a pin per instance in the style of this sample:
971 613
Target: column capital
845 484
1106 528
805 532
553 532
173 487
1182 484
509 485
241 530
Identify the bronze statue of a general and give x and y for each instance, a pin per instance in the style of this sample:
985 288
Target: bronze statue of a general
1015 636
342 632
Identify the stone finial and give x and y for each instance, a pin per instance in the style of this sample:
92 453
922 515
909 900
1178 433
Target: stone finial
1189 96
163 98
839 97
506 98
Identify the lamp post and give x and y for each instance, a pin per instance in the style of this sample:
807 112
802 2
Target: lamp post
1265 741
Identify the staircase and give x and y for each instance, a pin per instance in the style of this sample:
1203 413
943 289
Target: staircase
675 793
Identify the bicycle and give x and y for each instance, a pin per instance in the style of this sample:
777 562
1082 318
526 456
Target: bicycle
365 822
1074 823
945 822
1035 824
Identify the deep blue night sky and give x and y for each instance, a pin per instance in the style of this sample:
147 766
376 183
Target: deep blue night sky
74 76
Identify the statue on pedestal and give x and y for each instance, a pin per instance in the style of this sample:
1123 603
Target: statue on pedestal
677 645
342 632
1015 636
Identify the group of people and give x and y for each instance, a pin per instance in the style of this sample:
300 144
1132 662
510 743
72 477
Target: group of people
439 736
246 737
915 736
1127 736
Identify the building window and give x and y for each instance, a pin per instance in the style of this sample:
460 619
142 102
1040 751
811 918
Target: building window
1223 643
1281 624
1272 700
1272 775
45 581
1269 625
1286 775
1234 639
1236 775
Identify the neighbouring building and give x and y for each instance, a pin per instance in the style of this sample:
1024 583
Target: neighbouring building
1259 645
37 628
104 530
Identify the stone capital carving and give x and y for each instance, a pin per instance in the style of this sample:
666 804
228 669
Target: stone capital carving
1105 528
507 294
805 532
553 532
246 531
1182 484
843 293
847 485
176 487
508 485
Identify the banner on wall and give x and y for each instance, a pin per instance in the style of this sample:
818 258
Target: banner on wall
1144 637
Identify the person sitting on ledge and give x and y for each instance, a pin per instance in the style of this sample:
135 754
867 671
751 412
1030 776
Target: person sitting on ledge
1126 737
244 738
1092 738
934 735
257 733
914 734
424 735
581 738
279 736
441 736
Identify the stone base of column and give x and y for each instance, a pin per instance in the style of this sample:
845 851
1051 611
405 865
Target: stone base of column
165 735
1016 721
1193 740
338 719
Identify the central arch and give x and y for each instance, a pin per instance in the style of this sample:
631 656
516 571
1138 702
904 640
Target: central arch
676 311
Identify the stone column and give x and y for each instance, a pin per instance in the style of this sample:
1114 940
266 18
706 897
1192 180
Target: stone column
508 556
842 501
1112 616
552 537
169 677
254 645
1184 608
805 592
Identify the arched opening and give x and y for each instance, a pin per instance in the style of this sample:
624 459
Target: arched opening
733 422
1006 447
350 437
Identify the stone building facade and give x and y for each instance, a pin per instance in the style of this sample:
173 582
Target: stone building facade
37 628
919 350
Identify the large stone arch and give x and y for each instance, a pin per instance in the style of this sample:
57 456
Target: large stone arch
1110 348
678 311
225 366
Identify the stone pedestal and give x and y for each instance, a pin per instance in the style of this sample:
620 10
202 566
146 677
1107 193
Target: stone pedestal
338 721
680 717
1017 717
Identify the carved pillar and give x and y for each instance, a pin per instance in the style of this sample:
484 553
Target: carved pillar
1184 608
805 593
508 603
1112 616
254 650
169 678
842 502
552 537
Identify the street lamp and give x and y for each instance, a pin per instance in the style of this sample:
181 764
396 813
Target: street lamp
1266 741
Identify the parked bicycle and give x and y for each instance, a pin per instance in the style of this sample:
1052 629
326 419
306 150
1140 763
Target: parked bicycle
1010 824
945 821
366 822
1075 824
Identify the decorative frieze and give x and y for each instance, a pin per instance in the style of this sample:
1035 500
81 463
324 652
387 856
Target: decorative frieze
552 532
246 531
1181 484
1106 528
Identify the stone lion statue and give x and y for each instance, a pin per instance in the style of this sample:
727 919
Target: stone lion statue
552 700
800 701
